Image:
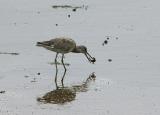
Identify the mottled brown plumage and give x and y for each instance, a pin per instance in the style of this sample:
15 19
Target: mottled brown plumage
59 45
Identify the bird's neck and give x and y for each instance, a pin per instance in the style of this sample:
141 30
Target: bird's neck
76 50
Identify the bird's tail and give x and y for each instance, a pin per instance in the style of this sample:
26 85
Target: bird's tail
39 44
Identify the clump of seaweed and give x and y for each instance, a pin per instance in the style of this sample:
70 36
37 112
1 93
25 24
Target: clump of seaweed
2 92
74 8
10 53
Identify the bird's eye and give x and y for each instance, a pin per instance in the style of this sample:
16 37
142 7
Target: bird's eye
85 49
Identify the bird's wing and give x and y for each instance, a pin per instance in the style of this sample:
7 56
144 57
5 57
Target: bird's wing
64 44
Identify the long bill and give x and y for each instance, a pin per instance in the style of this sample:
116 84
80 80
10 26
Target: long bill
89 57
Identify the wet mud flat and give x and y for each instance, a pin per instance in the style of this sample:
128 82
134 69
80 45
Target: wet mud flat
122 41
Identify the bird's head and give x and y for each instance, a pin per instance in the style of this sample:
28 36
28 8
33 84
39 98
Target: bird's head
83 49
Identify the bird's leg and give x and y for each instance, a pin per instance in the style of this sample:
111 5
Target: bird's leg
64 69
56 69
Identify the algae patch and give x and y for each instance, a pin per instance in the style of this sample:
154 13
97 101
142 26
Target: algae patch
70 7
10 53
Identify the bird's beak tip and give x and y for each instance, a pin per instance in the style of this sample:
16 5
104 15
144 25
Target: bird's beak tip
90 58
93 60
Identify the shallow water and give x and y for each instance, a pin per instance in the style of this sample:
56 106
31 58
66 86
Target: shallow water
63 94
127 85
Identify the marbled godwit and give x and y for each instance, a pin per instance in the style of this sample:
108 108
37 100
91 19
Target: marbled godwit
63 46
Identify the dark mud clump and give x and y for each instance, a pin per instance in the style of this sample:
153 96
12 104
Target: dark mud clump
74 10
9 53
117 38
69 15
108 38
1 92
105 42
93 60
26 76
109 60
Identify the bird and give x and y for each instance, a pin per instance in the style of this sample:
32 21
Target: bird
64 45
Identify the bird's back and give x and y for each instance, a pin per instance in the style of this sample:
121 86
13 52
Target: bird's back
60 45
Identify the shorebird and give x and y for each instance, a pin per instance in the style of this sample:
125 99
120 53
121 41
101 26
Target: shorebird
64 45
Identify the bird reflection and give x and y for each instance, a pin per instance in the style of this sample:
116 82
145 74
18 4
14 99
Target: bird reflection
62 95
58 96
